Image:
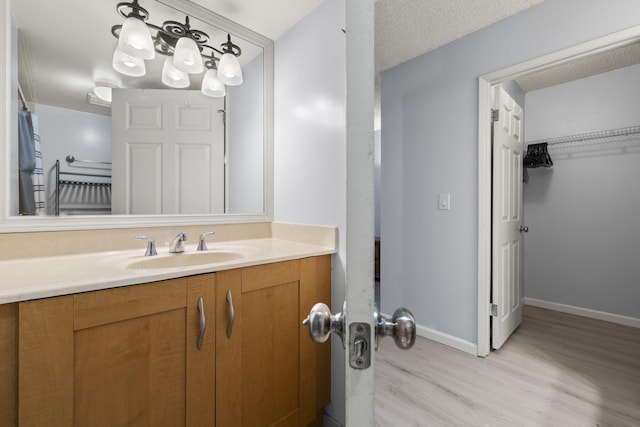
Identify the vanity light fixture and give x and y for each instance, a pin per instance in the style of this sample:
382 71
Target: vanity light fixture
127 64
229 70
135 39
186 56
173 77
187 49
212 86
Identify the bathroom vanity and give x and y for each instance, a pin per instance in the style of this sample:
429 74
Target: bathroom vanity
214 344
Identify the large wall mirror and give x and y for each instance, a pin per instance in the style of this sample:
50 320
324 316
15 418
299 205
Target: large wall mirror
97 133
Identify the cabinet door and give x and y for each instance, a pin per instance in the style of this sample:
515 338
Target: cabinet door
9 363
258 363
315 359
45 362
269 372
124 356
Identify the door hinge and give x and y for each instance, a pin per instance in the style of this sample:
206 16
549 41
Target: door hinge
494 309
495 115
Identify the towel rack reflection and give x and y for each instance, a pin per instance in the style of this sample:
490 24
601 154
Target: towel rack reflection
71 159
96 185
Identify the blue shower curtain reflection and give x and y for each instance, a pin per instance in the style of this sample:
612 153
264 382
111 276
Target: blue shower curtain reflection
27 163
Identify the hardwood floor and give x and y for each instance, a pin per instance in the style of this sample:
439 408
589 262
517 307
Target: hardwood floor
556 370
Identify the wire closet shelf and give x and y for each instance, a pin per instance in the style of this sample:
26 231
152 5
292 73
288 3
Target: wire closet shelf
605 136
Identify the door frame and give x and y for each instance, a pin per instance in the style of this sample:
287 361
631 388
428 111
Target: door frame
485 84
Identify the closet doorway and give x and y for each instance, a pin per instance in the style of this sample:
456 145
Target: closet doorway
544 67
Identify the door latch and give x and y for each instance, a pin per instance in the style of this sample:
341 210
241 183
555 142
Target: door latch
359 345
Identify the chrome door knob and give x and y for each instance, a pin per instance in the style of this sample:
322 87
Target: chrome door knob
524 229
321 323
401 326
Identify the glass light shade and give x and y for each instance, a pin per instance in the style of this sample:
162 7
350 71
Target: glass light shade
103 92
135 39
127 64
229 71
212 86
187 56
173 77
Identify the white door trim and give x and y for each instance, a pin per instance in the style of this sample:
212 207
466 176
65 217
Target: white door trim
485 82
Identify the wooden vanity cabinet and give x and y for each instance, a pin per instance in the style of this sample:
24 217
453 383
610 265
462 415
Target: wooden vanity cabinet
9 364
129 355
122 356
269 372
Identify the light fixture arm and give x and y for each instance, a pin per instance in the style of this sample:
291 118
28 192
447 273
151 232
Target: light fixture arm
135 10
229 47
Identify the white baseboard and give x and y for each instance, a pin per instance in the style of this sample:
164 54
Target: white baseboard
585 312
446 339
449 340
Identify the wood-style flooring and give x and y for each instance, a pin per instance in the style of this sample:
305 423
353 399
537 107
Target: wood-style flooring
555 370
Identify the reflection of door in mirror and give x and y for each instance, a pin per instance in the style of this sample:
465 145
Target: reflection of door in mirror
167 152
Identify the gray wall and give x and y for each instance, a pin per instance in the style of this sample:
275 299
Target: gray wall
584 239
310 145
430 139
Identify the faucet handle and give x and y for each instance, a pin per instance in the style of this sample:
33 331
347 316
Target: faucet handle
202 246
151 245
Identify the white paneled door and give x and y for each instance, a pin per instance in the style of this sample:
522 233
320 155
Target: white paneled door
168 152
507 257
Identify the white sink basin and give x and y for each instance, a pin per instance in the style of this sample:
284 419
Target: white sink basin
185 259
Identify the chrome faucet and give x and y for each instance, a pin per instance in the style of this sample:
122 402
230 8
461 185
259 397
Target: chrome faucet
202 246
177 244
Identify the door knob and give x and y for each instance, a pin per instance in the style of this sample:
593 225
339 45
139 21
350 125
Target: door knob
524 229
401 326
321 323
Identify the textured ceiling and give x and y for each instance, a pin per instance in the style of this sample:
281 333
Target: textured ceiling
406 29
581 68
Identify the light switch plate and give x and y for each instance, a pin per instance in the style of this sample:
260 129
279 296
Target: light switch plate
444 201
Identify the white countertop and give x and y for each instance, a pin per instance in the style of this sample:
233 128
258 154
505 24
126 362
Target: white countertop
32 278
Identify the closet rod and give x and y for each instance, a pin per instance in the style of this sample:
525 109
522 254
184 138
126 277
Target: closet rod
591 136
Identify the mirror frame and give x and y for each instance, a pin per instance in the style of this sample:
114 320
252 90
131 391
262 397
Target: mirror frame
10 224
